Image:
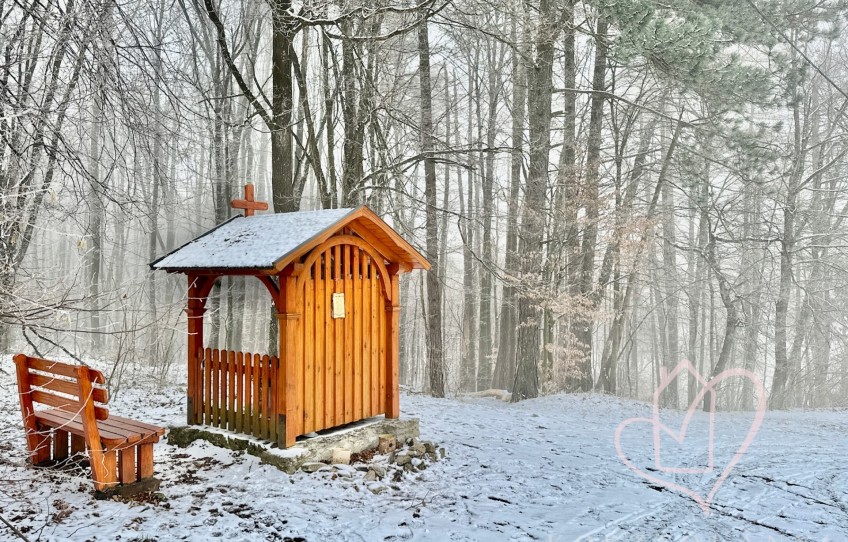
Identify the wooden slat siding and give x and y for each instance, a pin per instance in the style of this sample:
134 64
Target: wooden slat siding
342 341
215 388
257 394
247 413
297 288
261 425
206 385
382 355
338 341
348 334
270 411
374 310
309 354
207 392
381 348
222 389
226 395
247 399
239 402
357 334
329 355
231 390
318 413
225 387
266 394
237 390
365 346
272 397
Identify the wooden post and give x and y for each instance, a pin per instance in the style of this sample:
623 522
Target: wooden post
103 462
145 461
127 470
393 346
195 310
38 443
60 444
289 320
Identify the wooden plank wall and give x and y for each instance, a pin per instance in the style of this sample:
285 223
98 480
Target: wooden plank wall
237 392
342 371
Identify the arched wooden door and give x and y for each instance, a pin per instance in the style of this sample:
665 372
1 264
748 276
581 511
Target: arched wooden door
341 369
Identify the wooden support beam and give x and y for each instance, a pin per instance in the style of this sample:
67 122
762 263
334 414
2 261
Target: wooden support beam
393 350
198 289
288 409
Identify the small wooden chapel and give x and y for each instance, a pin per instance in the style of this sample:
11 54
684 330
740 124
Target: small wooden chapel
333 278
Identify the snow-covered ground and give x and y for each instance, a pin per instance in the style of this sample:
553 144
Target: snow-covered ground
544 469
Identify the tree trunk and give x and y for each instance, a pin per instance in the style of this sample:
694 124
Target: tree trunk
435 368
532 214
584 325
670 396
285 198
484 364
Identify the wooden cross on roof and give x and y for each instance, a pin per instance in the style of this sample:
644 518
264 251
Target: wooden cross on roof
248 204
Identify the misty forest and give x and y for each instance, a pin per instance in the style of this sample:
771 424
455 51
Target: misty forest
602 188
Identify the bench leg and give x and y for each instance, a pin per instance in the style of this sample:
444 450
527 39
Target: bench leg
104 468
39 446
127 465
77 444
60 445
145 461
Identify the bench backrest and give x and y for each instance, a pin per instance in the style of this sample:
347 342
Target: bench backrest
73 388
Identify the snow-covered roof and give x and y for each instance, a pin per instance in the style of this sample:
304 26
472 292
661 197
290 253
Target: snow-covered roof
255 242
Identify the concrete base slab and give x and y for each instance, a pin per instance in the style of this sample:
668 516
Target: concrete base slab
356 437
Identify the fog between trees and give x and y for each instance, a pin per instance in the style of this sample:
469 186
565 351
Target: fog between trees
604 188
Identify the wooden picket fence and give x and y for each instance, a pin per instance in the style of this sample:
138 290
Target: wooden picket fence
239 392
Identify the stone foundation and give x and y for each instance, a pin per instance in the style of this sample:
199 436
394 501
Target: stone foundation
356 437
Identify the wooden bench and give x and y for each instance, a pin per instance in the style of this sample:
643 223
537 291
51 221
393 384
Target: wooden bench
120 450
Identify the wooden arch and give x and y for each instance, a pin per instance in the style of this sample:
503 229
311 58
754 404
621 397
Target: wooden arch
201 286
358 242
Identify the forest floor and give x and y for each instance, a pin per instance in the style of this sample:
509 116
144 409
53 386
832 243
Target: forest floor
544 469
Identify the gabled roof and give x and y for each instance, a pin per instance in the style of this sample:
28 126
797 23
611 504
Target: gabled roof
269 242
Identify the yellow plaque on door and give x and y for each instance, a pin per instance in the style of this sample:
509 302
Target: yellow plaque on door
338 305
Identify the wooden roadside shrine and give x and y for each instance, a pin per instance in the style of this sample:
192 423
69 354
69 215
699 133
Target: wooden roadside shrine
333 279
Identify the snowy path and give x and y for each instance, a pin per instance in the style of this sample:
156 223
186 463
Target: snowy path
545 470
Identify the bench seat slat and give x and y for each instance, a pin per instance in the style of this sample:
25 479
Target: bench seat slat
73 424
116 425
112 432
141 427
